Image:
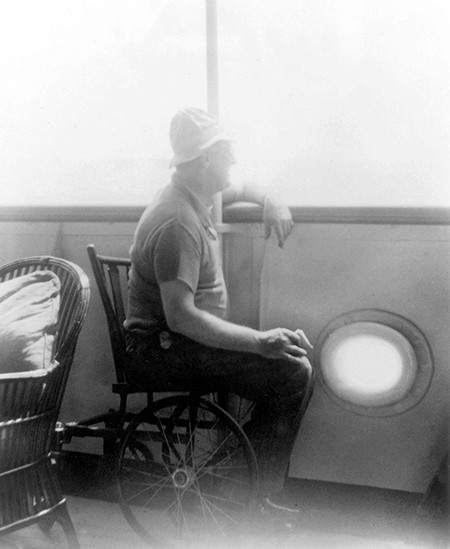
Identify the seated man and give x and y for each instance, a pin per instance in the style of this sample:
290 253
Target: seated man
176 322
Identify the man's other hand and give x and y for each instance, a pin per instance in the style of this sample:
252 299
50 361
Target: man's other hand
277 215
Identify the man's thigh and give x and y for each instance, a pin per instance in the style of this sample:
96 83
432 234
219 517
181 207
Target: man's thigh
246 374
188 365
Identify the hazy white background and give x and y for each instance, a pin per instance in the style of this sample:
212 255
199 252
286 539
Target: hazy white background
335 102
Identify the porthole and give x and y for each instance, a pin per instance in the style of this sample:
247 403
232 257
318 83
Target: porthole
374 362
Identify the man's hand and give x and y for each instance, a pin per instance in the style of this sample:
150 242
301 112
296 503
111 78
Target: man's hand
281 343
276 214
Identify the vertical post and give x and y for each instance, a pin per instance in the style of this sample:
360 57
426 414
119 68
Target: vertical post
212 83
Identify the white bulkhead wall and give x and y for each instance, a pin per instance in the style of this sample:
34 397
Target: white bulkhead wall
324 270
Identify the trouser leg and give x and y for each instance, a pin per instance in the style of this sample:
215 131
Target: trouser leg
272 431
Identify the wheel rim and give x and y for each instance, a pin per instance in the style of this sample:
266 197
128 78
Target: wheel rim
186 473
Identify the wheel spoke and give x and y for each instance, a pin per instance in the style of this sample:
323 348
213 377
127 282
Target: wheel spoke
146 489
210 507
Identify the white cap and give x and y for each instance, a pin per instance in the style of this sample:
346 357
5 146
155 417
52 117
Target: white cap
191 132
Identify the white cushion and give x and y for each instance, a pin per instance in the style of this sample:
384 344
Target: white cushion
29 307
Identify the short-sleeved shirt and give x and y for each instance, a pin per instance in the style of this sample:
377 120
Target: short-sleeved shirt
175 240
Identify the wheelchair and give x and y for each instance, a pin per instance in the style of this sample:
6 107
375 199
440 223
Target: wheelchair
185 470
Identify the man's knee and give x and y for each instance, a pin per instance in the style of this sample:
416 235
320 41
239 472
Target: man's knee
306 371
294 379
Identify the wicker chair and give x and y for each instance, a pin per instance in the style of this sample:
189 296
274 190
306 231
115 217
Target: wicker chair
29 406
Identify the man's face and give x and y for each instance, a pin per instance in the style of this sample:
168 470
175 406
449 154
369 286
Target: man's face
221 158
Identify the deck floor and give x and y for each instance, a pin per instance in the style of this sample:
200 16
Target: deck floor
331 517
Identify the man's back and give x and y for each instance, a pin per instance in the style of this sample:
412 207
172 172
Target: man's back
175 239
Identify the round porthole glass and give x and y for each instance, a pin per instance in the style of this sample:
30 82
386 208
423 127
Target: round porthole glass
374 362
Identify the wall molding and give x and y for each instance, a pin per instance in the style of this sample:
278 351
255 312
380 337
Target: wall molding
238 213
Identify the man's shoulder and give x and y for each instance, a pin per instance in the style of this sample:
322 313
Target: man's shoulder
167 211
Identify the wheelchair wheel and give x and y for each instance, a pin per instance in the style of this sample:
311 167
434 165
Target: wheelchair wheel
187 474
238 407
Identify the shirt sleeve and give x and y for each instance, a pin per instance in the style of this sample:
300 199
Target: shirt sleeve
177 256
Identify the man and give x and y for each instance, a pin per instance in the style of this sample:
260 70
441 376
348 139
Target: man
176 323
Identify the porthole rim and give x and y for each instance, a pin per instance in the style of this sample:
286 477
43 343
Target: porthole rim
417 340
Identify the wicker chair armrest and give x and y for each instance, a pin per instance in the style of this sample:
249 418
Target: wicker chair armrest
23 375
29 374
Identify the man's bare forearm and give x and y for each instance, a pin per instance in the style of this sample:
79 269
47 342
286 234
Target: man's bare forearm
210 330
